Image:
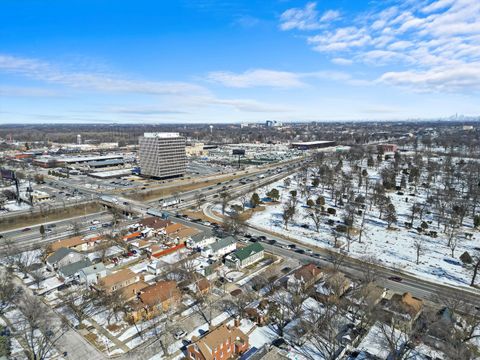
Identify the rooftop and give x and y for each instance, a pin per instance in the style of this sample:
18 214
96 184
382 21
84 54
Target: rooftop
161 135
119 276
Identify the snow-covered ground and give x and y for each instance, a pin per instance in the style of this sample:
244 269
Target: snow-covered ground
393 247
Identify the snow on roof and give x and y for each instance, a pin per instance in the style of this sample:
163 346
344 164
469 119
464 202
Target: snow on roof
375 343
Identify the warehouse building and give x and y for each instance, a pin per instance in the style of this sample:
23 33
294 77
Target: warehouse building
307 145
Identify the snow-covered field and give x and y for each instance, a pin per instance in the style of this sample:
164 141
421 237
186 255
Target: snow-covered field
393 247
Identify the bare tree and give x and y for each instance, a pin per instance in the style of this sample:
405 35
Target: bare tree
419 250
9 292
37 327
316 215
287 214
78 303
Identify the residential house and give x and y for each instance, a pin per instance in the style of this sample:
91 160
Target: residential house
242 258
172 229
133 236
118 280
202 286
184 234
404 308
132 291
333 285
91 274
78 243
220 248
158 225
156 267
221 343
201 240
305 276
62 257
70 272
154 299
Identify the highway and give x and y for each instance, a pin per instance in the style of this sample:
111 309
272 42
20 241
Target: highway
61 229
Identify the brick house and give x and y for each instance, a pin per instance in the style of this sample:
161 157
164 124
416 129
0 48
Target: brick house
221 343
153 300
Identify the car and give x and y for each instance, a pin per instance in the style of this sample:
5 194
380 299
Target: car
395 278
1 236
272 242
262 237
130 253
254 240
179 334
292 246
300 251
249 236
92 228
286 270
309 251
26 229
280 343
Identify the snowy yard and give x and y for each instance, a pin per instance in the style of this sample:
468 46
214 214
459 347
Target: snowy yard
394 247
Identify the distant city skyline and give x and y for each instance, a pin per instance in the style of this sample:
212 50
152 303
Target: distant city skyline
230 61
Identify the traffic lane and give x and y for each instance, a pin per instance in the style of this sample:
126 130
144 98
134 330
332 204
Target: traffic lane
36 227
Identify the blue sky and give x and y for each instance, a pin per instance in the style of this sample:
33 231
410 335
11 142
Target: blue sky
229 61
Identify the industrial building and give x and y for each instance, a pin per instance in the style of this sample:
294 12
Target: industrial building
162 155
312 145
54 161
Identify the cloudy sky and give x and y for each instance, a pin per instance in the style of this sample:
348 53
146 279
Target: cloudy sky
237 60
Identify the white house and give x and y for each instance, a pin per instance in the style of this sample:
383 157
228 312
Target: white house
63 257
91 274
200 240
220 247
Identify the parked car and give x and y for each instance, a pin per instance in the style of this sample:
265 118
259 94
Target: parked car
395 278
179 334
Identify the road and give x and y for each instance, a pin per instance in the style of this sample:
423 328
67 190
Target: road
59 230
356 268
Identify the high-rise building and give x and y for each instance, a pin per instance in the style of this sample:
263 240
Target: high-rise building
79 139
162 155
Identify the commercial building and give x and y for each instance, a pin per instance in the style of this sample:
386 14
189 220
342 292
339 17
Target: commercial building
162 155
307 145
387 148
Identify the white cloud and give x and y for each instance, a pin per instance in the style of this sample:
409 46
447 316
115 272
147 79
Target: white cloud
307 18
342 61
279 79
257 77
43 71
422 37
330 15
442 79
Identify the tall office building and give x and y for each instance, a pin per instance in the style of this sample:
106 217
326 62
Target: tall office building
162 155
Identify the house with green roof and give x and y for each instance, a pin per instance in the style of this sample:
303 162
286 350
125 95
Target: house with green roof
246 256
